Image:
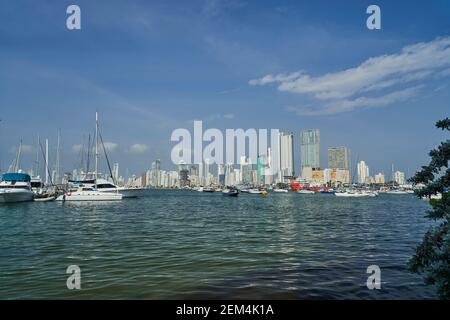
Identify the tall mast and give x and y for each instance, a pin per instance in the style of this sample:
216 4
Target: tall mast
58 157
96 148
17 166
36 163
46 161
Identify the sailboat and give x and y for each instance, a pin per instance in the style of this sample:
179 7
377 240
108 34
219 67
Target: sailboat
83 192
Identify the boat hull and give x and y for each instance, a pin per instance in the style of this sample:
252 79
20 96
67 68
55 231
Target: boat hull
15 195
126 192
100 196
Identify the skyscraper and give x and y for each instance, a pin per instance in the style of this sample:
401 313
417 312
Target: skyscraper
115 172
338 158
310 149
156 173
363 172
286 145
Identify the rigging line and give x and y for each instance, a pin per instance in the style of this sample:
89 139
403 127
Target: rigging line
107 159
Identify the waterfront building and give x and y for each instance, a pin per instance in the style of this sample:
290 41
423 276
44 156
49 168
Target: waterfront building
399 177
229 174
286 146
342 176
338 158
310 150
379 178
115 171
156 173
363 172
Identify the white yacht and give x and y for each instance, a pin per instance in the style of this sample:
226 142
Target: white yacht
109 187
277 190
352 194
16 187
87 193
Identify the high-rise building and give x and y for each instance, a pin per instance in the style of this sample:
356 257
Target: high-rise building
310 149
115 171
286 147
221 174
246 170
363 172
229 175
156 173
399 177
338 158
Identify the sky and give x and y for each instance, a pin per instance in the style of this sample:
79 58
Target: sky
150 67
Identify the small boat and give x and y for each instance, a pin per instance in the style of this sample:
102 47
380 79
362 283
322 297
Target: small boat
230 192
280 190
264 193
352 194
45 199
85 193
397 191
16 187
305 191
210 190
254 191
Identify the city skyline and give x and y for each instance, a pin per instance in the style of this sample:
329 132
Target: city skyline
219 63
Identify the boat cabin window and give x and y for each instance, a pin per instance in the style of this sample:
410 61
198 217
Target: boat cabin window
105 185
36 184
14 187
87 189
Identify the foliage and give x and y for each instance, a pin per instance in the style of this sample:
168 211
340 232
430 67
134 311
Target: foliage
432 256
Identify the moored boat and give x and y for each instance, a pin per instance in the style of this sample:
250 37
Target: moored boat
86 193
230 191
15 187
305 191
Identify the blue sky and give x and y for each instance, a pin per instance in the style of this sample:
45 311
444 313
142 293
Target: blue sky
150 67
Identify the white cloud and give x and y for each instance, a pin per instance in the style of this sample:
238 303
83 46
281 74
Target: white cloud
344 89
138 148
25 149
110 146
346 105
76 148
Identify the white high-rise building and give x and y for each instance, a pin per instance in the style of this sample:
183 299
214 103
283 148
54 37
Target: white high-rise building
363 172
229 174
399 177
286 146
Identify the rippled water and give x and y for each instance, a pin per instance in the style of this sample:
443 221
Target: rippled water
188 245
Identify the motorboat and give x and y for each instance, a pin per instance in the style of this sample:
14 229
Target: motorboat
305 191
16 187
87 193
210 190
277 190
231 192
397 191
351 194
